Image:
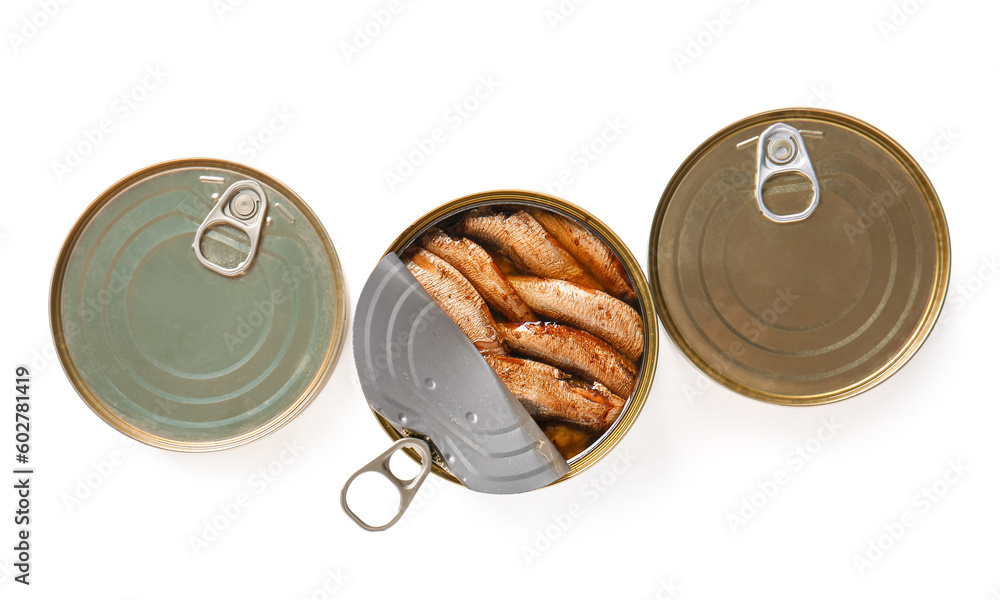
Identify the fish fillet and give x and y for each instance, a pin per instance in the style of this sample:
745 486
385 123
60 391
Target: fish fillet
478 267
596 312
545 394
524 241
590 251
574 351
457 298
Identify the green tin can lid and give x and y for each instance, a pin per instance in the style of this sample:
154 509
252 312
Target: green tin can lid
198 305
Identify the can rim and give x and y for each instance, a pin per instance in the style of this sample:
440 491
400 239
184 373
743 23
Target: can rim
138 434
604 445
943 256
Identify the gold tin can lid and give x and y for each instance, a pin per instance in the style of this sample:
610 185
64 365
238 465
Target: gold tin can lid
198 305
799 257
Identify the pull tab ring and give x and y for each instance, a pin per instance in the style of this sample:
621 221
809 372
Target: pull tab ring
407 489
781 149
243 206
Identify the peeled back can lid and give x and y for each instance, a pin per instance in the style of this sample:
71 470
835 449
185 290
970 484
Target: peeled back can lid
198 305
799 257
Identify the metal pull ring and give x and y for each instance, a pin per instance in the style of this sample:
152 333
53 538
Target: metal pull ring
243 206
407 489
780 149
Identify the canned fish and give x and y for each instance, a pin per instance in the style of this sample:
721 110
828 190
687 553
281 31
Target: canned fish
198 305
799 257
550 299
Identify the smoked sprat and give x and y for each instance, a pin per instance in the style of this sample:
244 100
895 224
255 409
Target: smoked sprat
548 304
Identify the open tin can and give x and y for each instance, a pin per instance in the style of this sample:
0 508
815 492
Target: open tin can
198 305
511 200
580 439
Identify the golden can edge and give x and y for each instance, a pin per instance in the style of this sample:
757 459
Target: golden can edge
606 443
943 255
329 359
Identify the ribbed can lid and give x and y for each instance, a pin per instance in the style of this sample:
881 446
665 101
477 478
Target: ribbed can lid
198 305
799 257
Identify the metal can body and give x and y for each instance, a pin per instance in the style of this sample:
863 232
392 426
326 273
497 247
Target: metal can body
821 298
644 304
193 332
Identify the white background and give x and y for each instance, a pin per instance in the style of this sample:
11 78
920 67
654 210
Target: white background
662 528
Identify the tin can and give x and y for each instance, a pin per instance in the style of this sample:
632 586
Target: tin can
644 305
799 257
198 305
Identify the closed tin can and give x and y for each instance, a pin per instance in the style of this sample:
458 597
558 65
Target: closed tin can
799 257
198 305
509 201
